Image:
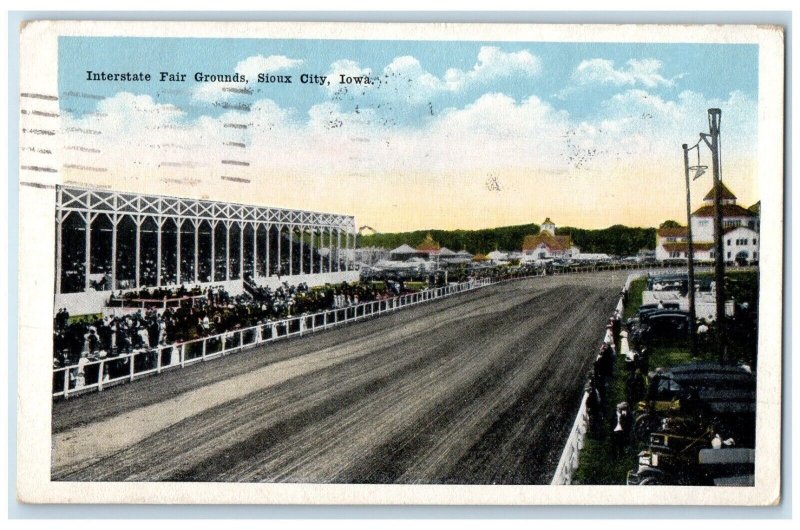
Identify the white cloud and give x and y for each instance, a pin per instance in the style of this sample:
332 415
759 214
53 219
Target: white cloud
406 77
252 66
635 135
348 68
646 72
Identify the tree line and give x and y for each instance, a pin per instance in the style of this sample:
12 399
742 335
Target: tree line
616 240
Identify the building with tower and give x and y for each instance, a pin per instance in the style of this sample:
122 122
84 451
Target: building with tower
547 245
740 232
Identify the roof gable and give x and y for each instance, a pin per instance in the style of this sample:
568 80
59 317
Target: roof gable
548 240
726 193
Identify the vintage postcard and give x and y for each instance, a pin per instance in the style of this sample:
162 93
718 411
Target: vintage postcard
400 263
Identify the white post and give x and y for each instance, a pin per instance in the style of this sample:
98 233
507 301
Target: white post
197 250
179 271
330 249
159 227
255 249
338 250
228 251
302 247
241 250
291 250
136 268
59 222
311 253
88 254
280 236
114 252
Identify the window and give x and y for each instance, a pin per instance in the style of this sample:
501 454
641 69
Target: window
729 255
755 241
729 242
755 255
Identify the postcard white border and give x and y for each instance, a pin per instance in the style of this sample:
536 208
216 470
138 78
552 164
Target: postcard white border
39 74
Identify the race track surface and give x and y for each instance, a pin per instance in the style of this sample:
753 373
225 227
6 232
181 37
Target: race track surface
478 388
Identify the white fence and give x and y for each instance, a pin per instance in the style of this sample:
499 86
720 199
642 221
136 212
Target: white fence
568 463
99 374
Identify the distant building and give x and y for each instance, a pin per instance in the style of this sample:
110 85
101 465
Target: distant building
740 232
497 257
547 245
402 253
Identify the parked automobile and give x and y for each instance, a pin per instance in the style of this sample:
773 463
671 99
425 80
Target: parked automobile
720 396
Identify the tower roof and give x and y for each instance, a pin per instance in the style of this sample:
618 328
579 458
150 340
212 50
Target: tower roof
548 222
726 194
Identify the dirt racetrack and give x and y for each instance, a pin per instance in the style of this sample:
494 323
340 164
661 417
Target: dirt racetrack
478 388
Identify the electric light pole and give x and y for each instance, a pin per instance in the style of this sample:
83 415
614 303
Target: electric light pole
692 310
712 141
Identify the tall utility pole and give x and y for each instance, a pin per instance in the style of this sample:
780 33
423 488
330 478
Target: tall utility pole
712 141
692 311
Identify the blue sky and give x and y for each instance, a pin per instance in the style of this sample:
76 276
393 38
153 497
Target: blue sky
563 127
713 70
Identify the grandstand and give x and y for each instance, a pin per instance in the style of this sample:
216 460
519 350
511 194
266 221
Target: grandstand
111 242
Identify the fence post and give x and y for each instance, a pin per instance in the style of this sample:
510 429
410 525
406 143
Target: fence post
131 360
158 361
66 383
100 376
204 347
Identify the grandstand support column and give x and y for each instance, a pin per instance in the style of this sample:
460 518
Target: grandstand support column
279 263
88 254
137 266
338 249
330 249
160 226
355 245
58 251
351 249
196 250
114 222
213 250
255 249
301 233
179 224
311 252
241 250
321 235
346 250
291 250
266 258
228 250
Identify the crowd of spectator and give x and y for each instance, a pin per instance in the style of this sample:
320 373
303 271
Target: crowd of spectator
200 313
